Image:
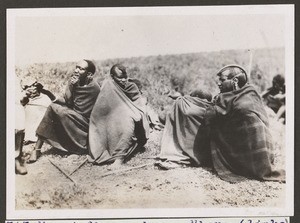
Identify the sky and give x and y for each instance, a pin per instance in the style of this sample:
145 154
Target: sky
70 35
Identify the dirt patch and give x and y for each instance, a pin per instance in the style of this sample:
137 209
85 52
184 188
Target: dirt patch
45 187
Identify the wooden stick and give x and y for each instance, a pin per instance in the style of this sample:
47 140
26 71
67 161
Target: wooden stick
77 168
151 157
124 170
64 173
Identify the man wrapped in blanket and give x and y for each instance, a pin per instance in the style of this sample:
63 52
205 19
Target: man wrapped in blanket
66 122
241 144
185 138
118 124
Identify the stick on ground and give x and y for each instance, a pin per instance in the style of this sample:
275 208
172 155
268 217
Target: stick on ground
77 168
64 173
121 171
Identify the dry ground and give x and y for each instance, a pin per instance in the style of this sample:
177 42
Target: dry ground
45 187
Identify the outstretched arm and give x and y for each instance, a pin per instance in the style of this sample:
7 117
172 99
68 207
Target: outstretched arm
49 94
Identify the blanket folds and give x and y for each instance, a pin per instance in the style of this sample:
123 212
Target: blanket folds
241 141
118 124
186 135
65 126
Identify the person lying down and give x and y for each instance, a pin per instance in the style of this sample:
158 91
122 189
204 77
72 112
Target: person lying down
185 139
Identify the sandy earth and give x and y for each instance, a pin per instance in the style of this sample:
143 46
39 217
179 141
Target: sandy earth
45 187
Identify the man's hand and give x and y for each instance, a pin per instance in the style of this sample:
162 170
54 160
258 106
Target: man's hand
38 86
32 92
24 100
74 79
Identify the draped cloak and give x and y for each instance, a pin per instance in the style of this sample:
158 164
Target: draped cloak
65 124
118 124
241 141
186 134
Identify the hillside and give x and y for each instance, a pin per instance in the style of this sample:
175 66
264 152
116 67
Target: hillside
159 74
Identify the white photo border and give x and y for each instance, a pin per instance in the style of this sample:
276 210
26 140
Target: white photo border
286 10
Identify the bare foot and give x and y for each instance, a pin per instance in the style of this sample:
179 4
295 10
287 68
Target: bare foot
116 165
35 154
20 167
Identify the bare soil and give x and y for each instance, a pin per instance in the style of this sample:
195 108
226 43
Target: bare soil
45 187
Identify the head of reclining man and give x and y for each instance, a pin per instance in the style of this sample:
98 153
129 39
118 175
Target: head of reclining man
231 77
119 74
203 94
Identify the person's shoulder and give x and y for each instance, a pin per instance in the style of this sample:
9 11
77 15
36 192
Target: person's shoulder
132 86
96 83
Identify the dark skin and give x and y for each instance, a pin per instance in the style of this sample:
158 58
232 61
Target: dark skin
225 83
80 74
120 78
78 78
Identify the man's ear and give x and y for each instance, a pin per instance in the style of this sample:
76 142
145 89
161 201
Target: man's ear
235 80
89 76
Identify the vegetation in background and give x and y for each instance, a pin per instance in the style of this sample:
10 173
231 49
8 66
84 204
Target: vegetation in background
44 187
160 74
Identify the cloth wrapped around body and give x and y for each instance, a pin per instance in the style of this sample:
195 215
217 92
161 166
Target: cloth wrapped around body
65 124
186 135
118 124
241 141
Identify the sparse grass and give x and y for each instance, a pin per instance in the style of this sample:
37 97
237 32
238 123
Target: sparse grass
159 74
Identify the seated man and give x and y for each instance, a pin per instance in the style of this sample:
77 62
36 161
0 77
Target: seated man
241 143
118 124
185 138
66 122
274 97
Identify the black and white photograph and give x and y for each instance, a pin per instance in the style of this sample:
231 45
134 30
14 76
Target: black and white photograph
131 112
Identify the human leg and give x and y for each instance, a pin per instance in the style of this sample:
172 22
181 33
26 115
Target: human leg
64 128
19 162
116 164
36 153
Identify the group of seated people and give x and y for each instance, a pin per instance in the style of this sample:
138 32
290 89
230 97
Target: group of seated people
108 121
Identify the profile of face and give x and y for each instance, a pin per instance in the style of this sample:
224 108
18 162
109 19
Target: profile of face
278 82
120 76
80 72
225 82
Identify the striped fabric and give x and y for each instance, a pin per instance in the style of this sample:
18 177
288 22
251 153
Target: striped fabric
241 142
